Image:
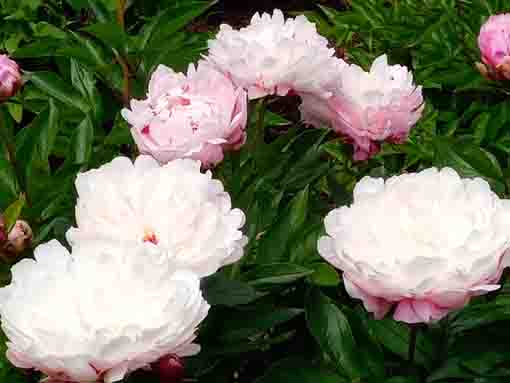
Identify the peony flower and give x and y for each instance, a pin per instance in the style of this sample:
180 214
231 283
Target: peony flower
274 56
197 116
424 243
107 309
186 213
10 78
494 44
19 239
368 107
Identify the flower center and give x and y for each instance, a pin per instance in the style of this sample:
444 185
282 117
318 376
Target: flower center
181 105
150 236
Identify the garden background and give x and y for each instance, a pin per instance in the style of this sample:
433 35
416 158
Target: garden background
281 314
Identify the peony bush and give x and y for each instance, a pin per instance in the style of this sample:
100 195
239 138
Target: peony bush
201 191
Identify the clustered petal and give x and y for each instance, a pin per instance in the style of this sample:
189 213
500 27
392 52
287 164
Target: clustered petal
197 116
368 108
423 243
185 213
107 309
274 55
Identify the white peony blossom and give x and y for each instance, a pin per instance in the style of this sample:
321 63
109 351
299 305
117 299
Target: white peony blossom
274 56
186 213
107 309
425 242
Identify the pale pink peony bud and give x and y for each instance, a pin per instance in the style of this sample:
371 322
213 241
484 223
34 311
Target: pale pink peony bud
10 78
494 44
196 116
367 108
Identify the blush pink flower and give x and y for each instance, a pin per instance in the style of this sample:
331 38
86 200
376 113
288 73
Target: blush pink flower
10 78
367 108
274 55
421 243
196 116
494 44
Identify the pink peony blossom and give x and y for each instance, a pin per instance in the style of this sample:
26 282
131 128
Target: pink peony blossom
422 243
274 55
494 44
10 78
367 107
196 116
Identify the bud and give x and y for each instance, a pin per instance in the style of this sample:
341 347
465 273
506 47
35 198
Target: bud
3 231
170 369
19 238
494 48
10 78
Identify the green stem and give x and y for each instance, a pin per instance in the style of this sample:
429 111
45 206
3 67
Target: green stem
259 125
413 332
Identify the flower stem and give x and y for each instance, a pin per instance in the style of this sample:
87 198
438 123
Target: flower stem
259 126
121 6
413 332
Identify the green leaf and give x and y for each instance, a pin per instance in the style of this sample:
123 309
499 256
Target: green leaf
298 370
9 188
81 142
100 10
244 324
275 273
220 290
120 133
111 34
16 111
480 127
55 86
273 244
468 159
331 330
171 20
324 275
34 144
13 211
395 337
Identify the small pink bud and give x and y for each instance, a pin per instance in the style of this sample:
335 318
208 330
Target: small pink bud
494 44
19 238
10 78
170 369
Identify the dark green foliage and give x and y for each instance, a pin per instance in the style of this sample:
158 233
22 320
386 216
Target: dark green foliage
280 314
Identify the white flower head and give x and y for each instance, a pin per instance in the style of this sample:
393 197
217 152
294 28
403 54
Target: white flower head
425 242
185 213
107 309
274 56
